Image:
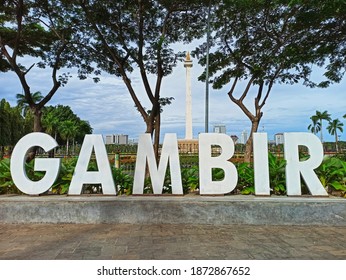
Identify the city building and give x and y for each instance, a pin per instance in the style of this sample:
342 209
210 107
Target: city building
117 139
220 128
243 137
279 138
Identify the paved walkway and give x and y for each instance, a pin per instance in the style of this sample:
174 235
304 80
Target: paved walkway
124 241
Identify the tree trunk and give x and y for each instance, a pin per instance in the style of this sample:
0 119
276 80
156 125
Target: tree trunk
157 136
37 120
153 127
73 147
67 145
249 142
336 143
37 128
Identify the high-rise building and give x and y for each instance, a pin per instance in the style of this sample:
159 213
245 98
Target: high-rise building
243 137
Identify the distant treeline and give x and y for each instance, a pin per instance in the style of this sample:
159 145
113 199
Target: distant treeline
58 121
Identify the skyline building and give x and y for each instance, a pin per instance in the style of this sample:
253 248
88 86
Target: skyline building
279 138
121 139
220 128
243 137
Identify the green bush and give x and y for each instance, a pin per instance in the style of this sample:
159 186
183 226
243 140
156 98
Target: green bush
7 185
63 181
190 179
123 181
332 174
277 179
246 181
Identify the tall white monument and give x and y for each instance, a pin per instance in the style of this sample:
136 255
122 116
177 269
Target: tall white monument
188 116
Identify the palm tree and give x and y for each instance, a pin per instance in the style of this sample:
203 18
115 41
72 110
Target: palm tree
23 103
333 128
322 116
68 131
50 123
315 126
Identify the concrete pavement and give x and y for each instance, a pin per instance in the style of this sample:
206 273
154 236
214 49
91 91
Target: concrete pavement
131 242
189 227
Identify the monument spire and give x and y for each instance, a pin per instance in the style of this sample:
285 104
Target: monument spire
188 114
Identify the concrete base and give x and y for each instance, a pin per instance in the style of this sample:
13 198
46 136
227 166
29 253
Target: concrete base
190 209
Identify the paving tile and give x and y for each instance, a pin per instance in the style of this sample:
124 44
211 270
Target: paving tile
123 241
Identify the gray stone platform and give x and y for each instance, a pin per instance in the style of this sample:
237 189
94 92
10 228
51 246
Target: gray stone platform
189 209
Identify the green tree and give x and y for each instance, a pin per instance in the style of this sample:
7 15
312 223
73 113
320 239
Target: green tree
11 124
22 102
333 127
68 131
17 125
127 35
39 29
260 43
55 115
51 123
322 116
315 126
5 123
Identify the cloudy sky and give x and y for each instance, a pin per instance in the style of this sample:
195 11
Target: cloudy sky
110 110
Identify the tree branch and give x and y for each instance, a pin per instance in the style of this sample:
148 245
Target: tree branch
239 102
270 85
27 71
140 53
247 89
19 18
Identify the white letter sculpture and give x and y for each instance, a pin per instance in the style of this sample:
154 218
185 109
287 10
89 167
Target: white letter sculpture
81 174
295 167
146 153
49 165
261 166
207 162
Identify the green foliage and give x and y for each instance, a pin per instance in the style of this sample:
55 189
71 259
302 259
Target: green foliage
63 181
277 181
33 175
62 123
332 174
246 183
167 184
277 178
43 31
123 181
6 183
12 124
59 121
319 117
217 174
190 179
